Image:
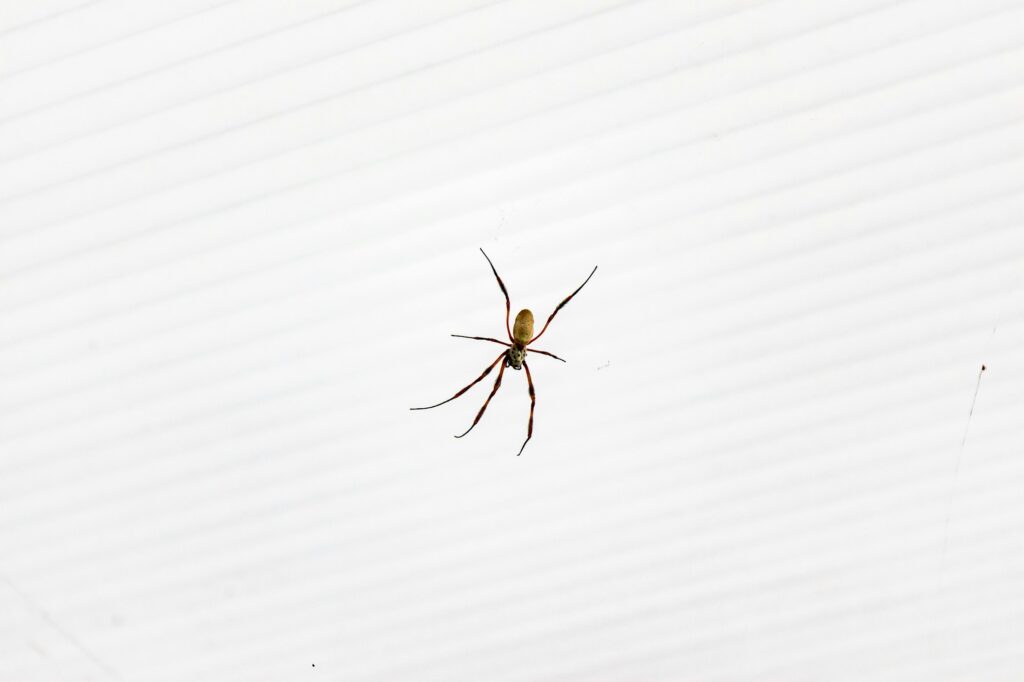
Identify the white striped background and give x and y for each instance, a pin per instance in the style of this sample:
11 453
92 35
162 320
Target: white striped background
234 238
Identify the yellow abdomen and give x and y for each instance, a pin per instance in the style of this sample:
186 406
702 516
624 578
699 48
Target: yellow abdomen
522 330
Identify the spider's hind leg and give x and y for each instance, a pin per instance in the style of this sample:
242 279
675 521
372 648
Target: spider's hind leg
501 285
562 304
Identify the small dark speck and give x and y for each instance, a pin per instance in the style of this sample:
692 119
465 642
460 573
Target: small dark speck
983 368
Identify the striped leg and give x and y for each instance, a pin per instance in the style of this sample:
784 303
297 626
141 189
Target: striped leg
508 303
497 385
533 402
562 304
503 343
486 372
544 352
481 338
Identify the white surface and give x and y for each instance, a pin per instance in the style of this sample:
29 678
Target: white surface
234 238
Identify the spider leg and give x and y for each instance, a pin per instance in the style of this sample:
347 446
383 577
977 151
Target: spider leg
562 304
533 402
508 303
486 372
544 352
481 338
497 385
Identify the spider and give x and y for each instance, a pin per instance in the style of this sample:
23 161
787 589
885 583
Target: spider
520 335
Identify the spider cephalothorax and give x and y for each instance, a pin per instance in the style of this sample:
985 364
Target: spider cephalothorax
519 336
516 357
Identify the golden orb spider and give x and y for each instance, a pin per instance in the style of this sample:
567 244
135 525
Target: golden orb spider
520 335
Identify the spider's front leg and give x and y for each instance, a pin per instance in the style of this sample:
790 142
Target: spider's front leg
533 402
473 383
497 385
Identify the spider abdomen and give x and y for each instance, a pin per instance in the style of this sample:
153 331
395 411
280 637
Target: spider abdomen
522 330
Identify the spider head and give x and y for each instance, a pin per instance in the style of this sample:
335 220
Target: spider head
516 355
